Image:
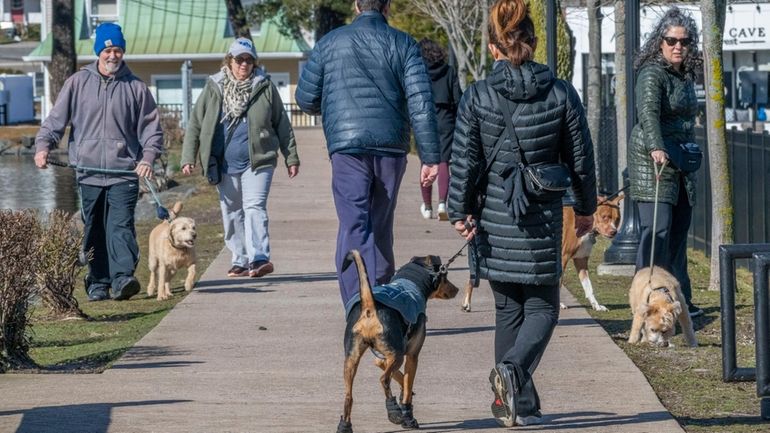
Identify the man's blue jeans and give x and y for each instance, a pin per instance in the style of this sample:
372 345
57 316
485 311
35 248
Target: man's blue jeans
365 189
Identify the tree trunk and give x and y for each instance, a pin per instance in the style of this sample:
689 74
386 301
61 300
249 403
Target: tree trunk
237 17
594 90
713 15
620 87
63 55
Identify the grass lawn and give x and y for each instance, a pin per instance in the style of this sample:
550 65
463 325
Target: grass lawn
92 345
687 381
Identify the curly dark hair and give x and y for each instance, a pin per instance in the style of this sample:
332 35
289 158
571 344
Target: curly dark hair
651 51
432 52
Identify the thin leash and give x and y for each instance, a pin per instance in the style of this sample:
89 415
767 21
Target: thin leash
610 197
161 211
444 268
655 216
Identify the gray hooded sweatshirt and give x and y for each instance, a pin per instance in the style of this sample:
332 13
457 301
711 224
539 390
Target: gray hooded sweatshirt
114 124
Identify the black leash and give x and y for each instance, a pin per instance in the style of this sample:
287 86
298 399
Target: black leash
610 197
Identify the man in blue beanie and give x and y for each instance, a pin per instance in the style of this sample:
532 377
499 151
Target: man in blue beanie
116 133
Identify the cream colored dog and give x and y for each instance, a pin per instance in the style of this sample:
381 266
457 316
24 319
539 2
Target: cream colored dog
656 303
172 247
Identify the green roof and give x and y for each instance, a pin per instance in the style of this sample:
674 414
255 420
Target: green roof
175 29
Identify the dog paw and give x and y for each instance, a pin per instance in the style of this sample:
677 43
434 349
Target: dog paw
562 306
408 422
466 307
394 411
599 307
344 427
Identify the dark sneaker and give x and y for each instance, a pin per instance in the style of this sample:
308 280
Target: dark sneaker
694 311
260 268
125 288
98 293
504 406
237 271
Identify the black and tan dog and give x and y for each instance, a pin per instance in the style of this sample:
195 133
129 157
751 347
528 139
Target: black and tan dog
392 334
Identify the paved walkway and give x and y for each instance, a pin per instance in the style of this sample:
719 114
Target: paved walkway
245 355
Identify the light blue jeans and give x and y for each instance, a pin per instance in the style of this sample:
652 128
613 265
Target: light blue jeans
243 199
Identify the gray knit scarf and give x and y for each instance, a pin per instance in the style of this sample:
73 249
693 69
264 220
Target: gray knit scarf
236 95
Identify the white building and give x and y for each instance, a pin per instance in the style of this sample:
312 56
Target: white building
746 49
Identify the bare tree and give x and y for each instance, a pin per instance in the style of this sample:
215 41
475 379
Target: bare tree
63 55
620 86
594 75
237 17
713 16
465 23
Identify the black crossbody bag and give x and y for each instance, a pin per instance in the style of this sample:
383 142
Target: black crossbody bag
543 182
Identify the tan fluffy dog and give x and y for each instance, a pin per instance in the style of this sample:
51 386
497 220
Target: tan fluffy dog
656 303
172 247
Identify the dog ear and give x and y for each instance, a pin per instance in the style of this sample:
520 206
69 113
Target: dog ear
644 309
677 307
171 233
620 197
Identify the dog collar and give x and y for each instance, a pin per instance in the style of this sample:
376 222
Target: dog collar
664 290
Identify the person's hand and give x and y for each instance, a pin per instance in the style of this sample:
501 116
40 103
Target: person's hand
41 158
428 174
144 169
583 224
466 228
659 156
293 171
187 169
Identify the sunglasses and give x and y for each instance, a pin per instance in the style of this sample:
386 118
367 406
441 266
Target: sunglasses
671 41
244 59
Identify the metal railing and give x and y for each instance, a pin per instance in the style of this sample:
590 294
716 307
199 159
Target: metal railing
296 116
760 253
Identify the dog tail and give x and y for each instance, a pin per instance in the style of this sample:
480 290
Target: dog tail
176 210
367 299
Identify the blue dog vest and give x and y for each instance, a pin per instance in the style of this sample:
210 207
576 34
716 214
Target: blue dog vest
400 294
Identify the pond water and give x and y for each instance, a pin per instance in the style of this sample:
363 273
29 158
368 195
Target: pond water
23 186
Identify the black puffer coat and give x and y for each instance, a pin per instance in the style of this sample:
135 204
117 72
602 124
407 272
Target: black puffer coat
667 105
551 127
446 95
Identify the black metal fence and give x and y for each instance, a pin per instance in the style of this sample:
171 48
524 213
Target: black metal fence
296 116
749 155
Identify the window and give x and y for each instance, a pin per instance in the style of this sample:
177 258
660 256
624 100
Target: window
101 11
168 89
255 27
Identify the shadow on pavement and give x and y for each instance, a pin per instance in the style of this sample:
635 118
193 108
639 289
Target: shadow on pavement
76 418
160 364
575 421
456 331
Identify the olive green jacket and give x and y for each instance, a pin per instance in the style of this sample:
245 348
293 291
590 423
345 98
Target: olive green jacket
666 107
269 126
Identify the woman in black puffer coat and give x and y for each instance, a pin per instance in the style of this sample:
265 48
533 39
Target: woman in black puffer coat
519 254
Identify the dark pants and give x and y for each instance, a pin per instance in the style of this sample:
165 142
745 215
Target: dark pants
365 190
670 240
108 215
525 317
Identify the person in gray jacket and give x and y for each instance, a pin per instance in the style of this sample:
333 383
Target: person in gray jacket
369 82
115 125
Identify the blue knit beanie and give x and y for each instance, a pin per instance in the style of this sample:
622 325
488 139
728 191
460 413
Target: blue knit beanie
108 35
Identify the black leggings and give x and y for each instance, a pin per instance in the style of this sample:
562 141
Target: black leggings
525 318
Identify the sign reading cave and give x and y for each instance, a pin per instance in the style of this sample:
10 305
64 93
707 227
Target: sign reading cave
746 28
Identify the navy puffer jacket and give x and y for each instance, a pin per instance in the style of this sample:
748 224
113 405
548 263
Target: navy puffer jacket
551 127
368 80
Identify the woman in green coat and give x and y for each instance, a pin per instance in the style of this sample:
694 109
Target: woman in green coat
236 129
666 105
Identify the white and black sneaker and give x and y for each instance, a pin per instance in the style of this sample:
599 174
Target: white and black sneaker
504 406
694 311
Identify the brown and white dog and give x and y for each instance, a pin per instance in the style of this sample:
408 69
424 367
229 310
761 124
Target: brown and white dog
606 224
172 247
657 301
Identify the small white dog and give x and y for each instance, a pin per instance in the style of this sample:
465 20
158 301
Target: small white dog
172 247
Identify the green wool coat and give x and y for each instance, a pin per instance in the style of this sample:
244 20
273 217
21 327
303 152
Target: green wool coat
666 107
269 127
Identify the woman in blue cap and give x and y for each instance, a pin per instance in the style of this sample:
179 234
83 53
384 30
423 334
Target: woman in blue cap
236 129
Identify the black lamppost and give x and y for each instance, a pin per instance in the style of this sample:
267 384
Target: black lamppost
626 243
550 33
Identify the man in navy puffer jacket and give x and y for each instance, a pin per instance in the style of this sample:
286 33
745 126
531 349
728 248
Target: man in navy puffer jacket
369 81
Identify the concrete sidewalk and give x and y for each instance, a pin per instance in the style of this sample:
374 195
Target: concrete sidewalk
247 355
